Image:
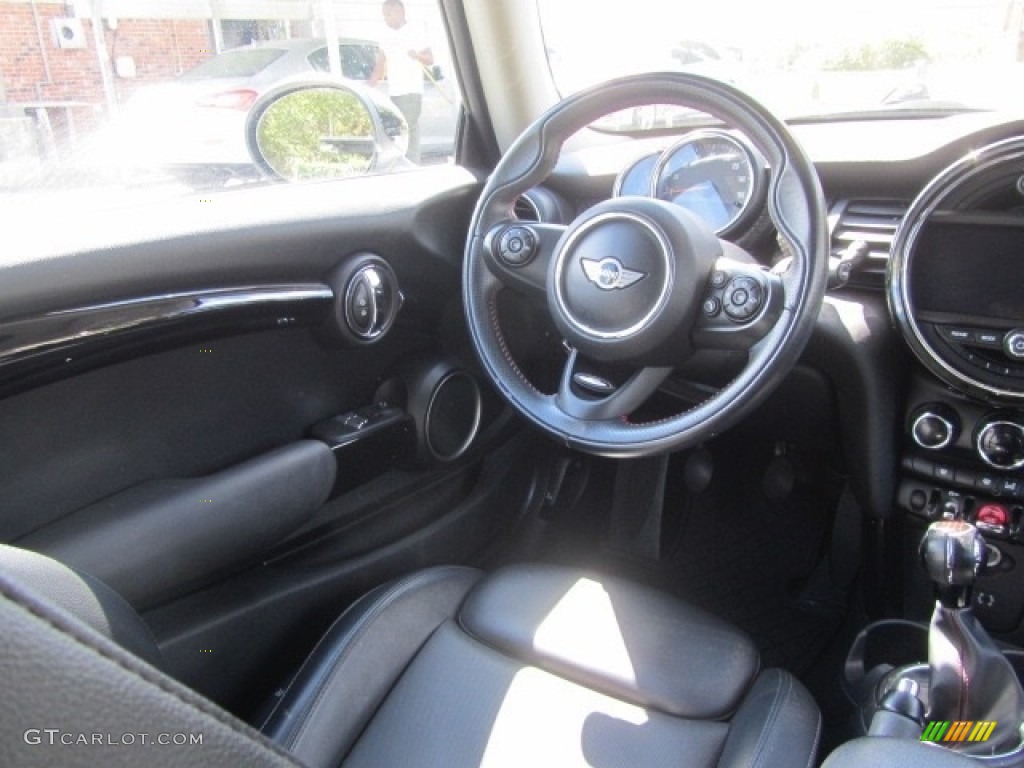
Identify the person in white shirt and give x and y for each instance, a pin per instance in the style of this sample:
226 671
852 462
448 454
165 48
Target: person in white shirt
401 58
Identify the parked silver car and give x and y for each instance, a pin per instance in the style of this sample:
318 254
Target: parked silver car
193 126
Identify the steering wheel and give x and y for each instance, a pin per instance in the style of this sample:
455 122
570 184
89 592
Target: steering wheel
636 285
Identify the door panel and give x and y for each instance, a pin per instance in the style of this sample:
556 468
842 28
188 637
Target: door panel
172 456
174 534
185 413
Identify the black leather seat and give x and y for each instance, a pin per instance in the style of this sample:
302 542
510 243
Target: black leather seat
530 666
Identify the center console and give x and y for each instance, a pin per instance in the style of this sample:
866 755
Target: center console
953 284
948 682
949 671
963 460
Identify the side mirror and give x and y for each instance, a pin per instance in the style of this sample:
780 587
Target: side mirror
317 129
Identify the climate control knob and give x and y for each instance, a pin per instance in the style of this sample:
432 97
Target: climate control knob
999 441
934 426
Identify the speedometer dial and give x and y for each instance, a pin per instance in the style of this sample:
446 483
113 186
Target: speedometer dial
714 175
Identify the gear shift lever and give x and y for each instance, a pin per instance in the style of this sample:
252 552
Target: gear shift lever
969 677
953 553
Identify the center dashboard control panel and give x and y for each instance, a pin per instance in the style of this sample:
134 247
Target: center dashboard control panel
998 351
964 461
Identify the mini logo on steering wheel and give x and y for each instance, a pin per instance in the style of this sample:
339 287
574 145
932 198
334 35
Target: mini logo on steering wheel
609 274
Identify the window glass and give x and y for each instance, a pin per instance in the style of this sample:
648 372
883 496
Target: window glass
109 103
236 63
357 60
802 58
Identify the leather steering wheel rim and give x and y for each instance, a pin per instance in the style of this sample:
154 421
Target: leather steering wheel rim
795 204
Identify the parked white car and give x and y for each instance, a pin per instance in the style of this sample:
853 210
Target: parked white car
193 127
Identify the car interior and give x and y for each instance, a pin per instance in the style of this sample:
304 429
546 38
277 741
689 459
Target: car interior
518 459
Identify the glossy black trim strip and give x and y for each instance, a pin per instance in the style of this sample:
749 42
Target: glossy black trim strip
64 342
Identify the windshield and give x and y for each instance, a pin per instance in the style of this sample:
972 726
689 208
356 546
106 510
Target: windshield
800 57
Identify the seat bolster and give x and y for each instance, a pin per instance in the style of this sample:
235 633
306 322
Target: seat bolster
358 661
86 598
777 726
74 698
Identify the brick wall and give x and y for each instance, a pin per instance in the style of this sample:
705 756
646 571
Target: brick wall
161 48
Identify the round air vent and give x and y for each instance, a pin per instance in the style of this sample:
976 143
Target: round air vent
525 209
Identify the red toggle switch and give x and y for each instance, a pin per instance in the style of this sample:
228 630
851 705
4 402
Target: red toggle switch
994 514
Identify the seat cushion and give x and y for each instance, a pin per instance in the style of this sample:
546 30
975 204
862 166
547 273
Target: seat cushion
625 640
539 665
461 703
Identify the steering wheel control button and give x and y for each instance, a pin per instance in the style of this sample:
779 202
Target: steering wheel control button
517 246
1000 443
1013 344
711 307
743 297
719 279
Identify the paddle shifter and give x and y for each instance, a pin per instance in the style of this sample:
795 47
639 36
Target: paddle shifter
969 678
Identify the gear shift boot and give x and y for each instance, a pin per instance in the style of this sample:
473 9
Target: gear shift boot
970 678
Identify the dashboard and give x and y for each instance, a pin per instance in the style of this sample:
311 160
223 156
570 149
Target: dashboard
925 345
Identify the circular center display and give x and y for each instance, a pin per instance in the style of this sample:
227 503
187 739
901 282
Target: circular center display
613 275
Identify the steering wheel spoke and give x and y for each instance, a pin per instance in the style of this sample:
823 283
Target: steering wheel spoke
594 393
742 303
519 253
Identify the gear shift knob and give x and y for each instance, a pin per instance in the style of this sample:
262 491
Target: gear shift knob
953 553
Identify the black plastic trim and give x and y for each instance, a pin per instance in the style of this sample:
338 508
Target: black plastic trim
66 341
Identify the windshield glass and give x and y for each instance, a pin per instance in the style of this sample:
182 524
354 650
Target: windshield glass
800 57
